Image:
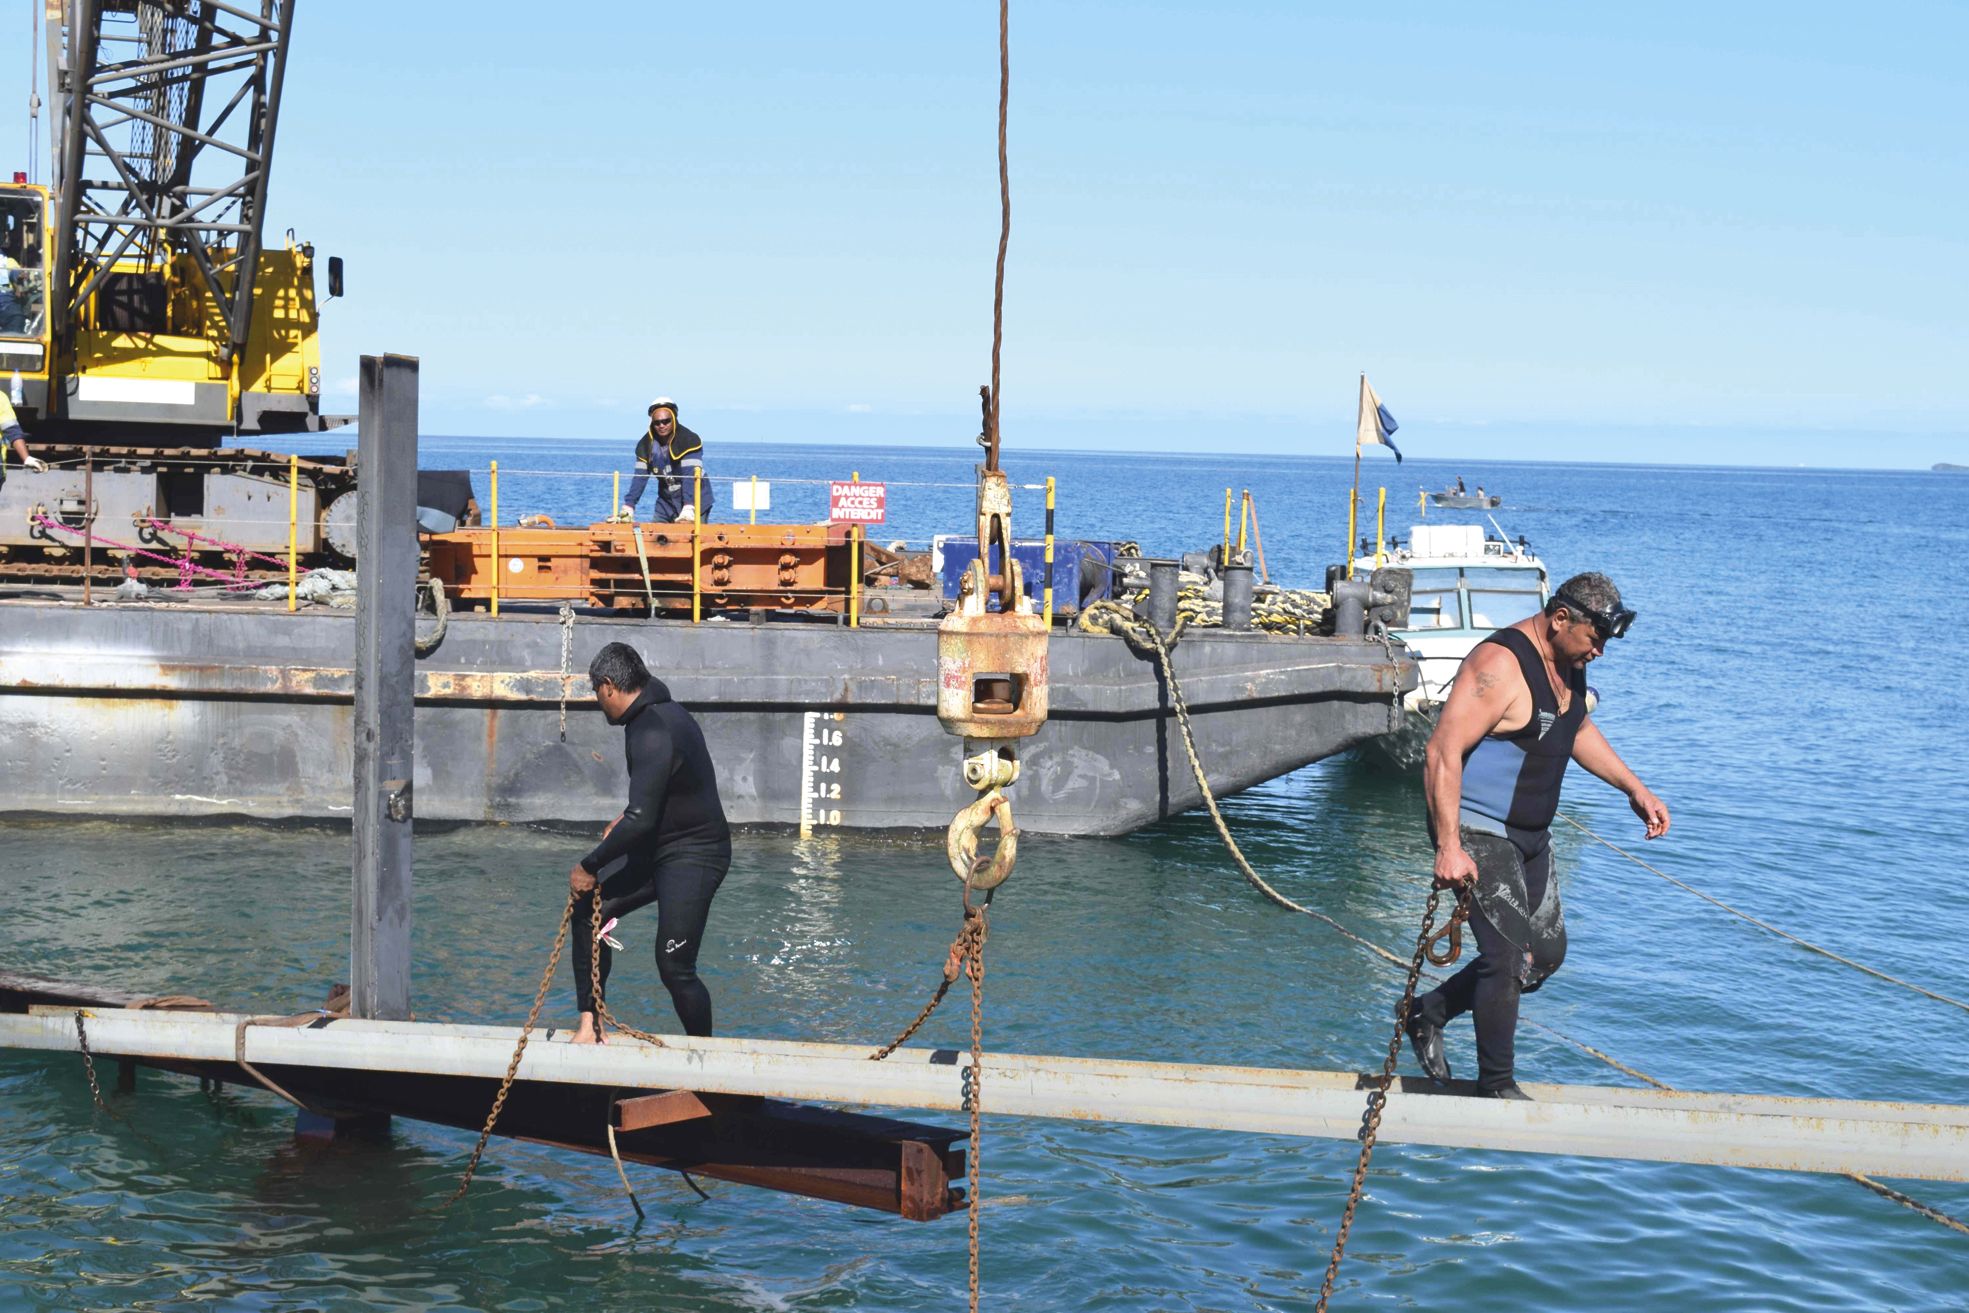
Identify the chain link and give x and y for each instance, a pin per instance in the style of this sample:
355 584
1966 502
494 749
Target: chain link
1400 709
961 949
1377 1100
603 1017
567 660
512 1068
1446 954
89 1063
975 1159
967 956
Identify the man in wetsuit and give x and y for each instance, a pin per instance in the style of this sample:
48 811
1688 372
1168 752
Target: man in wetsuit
674 456
1515 716
670 845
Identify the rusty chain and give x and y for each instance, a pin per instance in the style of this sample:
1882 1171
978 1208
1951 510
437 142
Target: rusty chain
975 1159
1377 1100
967 956
969 937
603 1017
512 1068
567 659
89 1064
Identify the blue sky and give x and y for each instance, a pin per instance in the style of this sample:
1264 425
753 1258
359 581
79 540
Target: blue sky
1668 233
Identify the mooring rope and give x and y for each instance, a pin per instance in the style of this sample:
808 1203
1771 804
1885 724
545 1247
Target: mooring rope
1779 931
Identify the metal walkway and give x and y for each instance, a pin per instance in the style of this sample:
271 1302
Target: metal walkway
1903 1140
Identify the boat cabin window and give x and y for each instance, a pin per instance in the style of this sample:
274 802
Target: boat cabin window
1433 601
1500 597
21 309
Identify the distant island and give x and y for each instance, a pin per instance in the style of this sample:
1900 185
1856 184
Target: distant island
1945 467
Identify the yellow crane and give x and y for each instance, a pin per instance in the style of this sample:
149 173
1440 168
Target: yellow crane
141 304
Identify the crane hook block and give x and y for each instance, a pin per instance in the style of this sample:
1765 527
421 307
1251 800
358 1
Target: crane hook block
991 665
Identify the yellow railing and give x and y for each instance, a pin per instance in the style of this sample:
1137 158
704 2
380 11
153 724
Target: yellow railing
1049 550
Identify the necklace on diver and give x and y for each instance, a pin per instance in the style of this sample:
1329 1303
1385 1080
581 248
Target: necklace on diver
1561 691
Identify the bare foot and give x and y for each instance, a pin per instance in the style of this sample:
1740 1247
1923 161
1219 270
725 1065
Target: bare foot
585 1032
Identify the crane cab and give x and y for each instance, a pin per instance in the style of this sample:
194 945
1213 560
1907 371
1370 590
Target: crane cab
25 346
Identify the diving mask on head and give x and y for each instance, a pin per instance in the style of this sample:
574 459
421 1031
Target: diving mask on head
1608 624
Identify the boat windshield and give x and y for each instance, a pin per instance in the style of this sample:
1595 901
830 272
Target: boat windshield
1502 596
1434 602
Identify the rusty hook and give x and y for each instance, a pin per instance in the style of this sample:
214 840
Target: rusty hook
1444 954
961 843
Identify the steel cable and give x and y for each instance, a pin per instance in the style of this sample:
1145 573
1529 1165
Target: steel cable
1766 925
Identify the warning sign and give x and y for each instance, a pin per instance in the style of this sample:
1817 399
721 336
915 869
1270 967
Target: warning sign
857 503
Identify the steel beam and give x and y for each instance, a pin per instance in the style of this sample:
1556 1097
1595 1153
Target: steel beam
1916 1141
664 1109
385 671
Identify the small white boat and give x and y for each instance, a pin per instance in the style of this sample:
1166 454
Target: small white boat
1454 499
1465 584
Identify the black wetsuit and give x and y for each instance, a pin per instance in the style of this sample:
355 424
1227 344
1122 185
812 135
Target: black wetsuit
1510 795
671 847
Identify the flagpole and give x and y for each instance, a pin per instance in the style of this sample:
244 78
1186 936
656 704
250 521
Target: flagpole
1353 508
1354 497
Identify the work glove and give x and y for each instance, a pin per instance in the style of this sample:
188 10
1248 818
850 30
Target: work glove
687 513
625 514
36 464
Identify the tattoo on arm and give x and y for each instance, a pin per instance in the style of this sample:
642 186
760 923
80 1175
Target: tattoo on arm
1486 681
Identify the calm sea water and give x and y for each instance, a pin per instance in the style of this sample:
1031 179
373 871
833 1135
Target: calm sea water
1793 689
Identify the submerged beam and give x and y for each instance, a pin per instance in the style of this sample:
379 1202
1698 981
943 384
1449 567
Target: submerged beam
1908 1140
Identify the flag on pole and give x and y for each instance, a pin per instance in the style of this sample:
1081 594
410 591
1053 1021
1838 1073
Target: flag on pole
1376 424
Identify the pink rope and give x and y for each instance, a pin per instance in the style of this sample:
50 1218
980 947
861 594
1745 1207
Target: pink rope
234 549
186 567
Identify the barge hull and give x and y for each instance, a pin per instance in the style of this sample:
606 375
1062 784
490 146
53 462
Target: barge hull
196 711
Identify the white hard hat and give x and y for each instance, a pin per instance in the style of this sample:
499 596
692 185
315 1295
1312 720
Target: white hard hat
665 402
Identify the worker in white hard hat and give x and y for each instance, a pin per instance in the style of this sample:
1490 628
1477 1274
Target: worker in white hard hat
673 456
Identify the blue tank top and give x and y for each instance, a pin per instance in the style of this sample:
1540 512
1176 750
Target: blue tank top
1513 779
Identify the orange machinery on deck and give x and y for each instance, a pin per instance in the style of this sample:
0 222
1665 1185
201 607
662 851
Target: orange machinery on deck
739 566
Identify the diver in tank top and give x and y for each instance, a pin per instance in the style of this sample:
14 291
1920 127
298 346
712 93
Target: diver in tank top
1515 717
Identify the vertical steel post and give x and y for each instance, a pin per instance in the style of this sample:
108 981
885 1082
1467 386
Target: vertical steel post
697 548
88 528
1243 519
494 478
755 499
1353 507
293 525
1049 551
1354 494
1380 525
854 569
1258 542
1225 555
386 618
615 502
